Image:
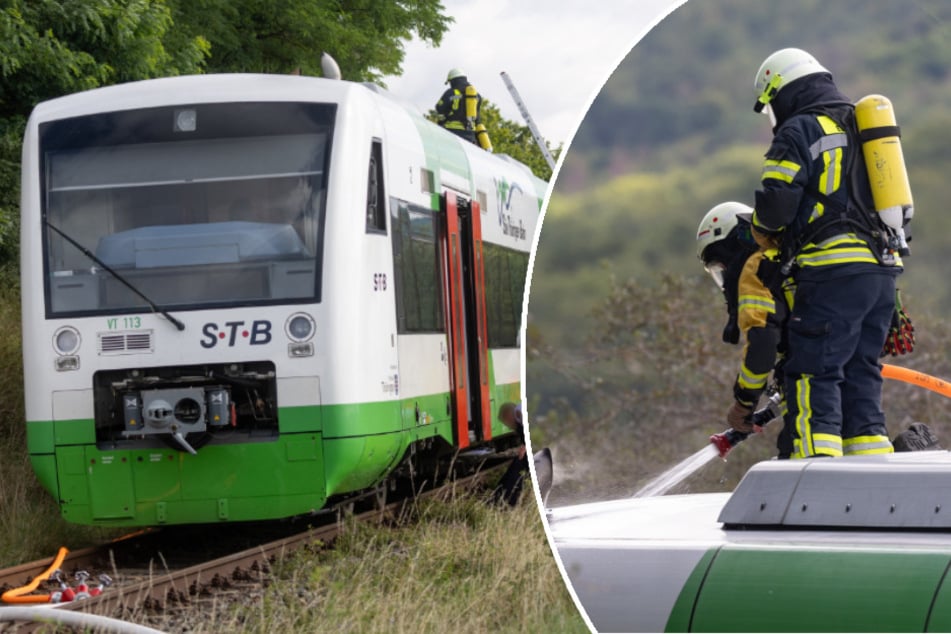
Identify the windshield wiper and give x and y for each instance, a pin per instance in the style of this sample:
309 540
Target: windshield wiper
92 256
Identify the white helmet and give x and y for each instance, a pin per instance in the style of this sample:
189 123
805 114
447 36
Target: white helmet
453 73
716 226
779 69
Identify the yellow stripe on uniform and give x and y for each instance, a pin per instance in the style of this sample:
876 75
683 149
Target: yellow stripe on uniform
810 444
842 239
756 302
830 148
838 256
829 126
750 380
780 170
830 178
839 249
827 444
802 445
867 445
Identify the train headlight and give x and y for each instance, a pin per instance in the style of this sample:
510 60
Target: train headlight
300 327
186 120
66 340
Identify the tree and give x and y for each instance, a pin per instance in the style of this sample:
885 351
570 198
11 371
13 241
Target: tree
364 36
514 139
50 48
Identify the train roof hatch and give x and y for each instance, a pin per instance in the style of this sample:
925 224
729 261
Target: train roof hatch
910 490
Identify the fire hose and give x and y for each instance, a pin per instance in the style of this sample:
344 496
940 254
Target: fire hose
74 619
907 375
727 440
22 594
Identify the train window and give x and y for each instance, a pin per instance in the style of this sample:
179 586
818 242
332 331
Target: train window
505 271
228 213
483 200
427 181
376 199
416 268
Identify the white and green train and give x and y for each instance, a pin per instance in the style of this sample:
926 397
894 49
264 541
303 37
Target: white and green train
853 544
244 295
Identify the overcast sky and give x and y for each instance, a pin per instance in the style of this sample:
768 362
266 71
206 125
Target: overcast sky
558 54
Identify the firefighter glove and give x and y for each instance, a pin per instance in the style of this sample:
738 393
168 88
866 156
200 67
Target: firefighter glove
901 334
740 418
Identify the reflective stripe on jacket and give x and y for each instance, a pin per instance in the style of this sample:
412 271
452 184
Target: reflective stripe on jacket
809 153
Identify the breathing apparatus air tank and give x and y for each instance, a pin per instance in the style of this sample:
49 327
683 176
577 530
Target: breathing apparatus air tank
483 137
472 113
472 104
891 191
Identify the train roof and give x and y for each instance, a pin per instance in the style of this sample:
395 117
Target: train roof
903 497
675 562
210 88
900 490
225 87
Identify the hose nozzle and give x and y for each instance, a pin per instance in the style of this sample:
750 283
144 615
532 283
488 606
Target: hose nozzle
727 440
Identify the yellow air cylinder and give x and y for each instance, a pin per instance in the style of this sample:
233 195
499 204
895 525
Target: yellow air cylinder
878 133
472 103
483 138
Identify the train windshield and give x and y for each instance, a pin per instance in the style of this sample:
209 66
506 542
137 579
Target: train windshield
196 206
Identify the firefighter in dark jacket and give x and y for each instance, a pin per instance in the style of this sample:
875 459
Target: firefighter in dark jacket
756 304
459 110
813 174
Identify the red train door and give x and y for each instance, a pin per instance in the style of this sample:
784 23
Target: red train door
465 313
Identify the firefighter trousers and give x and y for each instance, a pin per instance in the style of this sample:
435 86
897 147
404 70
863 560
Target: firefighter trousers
833 377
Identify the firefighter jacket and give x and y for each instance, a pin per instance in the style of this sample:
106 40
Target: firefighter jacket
806 177
762 309
451 109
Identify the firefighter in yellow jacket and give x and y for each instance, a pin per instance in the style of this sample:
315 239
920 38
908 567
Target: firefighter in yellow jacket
756 303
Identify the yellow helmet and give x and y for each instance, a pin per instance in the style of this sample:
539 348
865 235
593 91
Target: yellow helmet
779 69
453 73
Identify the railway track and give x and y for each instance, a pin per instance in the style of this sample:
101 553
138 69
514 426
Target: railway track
147 582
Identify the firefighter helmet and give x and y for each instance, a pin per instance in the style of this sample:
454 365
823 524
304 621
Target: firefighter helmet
779 69
453 73
717 225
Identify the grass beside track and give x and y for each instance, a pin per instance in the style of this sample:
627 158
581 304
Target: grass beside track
453 565
30 523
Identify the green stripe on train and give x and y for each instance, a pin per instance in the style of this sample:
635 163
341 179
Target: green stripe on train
682 612
321 451
443 151
745 589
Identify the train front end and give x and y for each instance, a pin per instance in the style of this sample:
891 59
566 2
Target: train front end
173 322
